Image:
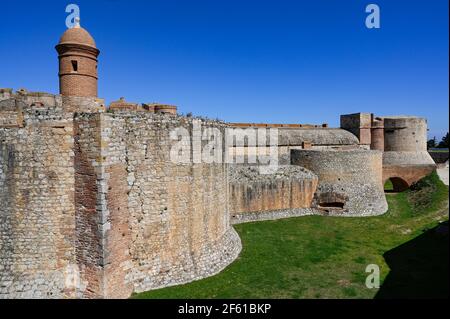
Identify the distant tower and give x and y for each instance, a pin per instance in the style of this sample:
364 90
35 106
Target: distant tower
77 62
377 132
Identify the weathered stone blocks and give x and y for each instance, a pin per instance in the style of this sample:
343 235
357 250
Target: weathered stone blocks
350 181
92 206
255 196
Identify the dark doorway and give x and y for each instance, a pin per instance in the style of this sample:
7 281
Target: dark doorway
395 185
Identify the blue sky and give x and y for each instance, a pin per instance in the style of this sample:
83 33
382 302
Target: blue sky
247 61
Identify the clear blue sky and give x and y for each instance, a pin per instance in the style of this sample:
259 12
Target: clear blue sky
257 61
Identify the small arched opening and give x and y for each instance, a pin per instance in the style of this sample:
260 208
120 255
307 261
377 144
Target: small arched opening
331 201
395 185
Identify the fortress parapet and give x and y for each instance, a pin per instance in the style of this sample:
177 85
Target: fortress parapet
93 206
165 109
24 108
122 105
149 107
33 106
275 125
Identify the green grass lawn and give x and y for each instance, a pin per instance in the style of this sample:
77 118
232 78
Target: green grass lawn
388 186
326 257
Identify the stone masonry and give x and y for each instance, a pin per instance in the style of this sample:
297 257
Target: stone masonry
93 204
255 196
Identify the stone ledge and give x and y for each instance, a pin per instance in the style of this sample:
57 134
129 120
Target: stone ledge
271 215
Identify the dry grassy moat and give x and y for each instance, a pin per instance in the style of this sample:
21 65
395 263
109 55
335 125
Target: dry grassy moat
326 257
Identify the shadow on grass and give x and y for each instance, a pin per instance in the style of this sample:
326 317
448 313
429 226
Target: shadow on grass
419 268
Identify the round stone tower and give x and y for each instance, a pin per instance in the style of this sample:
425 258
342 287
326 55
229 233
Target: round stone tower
350 181
77 63
405 156
377 132
405 134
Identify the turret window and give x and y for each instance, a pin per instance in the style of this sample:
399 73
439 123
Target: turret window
74 66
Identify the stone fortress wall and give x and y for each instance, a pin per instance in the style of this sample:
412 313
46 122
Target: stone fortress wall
255 195
352 164
350 181
93 207
405 157
92 204
36 196
168 221
403 141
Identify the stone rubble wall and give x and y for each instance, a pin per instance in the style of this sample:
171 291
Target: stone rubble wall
164 223
92 205
255 196
405 134
37 221
352 178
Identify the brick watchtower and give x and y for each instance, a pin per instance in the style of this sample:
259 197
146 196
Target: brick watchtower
77 63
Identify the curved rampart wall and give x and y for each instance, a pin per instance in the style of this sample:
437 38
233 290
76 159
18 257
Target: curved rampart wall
350 182
405 134
165 222
92 205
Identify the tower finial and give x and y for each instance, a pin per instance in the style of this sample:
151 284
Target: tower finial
77 22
